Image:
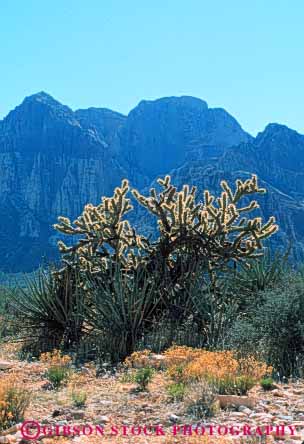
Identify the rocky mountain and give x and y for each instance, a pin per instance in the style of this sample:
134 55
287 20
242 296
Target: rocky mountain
54 160
50 164
162 134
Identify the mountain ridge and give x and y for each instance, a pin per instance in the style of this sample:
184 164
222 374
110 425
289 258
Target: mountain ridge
54 160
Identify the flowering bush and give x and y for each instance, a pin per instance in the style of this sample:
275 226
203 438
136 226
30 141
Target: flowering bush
222 369
14 400
179 355
55 358
139 359
143 359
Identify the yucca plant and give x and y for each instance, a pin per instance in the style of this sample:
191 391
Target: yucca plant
122 307
263 273
49 310
214 309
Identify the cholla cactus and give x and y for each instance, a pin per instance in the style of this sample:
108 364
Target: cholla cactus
213 232
106 234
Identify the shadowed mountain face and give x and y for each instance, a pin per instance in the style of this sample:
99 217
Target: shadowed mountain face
54 160
162 134
50 164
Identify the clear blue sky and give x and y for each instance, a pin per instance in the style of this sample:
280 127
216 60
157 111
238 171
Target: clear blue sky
246 56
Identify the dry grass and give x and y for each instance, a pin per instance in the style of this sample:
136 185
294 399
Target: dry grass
14 400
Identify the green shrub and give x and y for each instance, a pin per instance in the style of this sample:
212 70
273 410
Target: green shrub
143 376
233 386
275 328
58 375
267 384
176 391
79 398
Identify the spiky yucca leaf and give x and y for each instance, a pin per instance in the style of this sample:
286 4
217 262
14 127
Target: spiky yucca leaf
122 307
49 309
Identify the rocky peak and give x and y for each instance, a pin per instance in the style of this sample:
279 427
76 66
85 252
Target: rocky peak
281 145
173 102
161 134
277 130
35 109
42 124
102 120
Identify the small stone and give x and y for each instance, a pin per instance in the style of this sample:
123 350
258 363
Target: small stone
238 415
278 393
18 436
244 409
285 417
264 416
6 365
103 419
173 418
297 391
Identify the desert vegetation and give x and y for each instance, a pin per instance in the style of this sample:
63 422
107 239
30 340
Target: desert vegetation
205 296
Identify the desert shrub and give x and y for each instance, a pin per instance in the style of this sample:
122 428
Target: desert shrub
143 376
267 384
222 369
232 385
58 376
178 355
14 400
176 391
128 376
176 373
200 399
138 359
144 358
225 372
58 371
163 332
79 398
275 328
